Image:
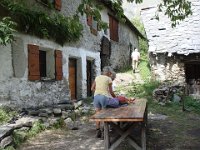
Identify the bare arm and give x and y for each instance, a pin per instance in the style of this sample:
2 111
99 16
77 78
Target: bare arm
93 86
111 90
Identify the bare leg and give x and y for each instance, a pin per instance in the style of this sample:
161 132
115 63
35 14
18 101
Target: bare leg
97 122
136 64
98 130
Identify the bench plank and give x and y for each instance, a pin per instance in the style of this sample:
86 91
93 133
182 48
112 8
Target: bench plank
132 112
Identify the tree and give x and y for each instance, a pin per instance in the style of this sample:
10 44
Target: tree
176 10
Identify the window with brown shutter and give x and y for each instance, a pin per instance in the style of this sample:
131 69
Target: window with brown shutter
113 26
93 24
44 64
58 4
58 65
33 62
89 20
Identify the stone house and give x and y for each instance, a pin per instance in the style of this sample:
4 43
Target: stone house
38 72
174 53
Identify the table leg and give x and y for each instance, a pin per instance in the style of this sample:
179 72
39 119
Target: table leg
143 138
106 136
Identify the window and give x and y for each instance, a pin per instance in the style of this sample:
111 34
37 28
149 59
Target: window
93 24
113 26
44 64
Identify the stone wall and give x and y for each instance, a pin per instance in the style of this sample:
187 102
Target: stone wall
166 68
17 90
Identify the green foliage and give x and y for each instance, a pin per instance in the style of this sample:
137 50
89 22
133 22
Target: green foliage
6 114
8 148
143 43
144 66
192 104
176 10
37 22
36 128
139 90
59 124
7 28
19 137
92 9
145 72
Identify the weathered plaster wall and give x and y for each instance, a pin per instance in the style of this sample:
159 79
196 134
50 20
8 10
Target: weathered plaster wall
120 51
166 42
18 91
6 62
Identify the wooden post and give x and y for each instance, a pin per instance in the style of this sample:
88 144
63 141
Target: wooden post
106 136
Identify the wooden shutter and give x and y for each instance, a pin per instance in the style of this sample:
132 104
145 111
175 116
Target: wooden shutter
113 26
33 62
58 65
89 20
115 30
58 4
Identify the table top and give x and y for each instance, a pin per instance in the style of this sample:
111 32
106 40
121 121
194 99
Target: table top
132 112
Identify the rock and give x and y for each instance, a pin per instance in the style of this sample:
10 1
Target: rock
65 106
5 131
78 104
33 112
65 114
69 123
57 111
52 121
176 98
43 114
6 141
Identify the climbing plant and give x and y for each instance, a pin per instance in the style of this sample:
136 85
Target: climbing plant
38 22
7 28
176 10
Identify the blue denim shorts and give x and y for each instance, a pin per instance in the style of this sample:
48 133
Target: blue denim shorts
100 101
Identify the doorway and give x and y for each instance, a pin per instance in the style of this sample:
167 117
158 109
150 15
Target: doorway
192 75
90 73
73 77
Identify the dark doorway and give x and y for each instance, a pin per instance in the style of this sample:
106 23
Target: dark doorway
192 71
105 52
73 77
89 77
192 75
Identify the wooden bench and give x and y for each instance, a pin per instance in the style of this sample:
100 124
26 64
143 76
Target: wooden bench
123 121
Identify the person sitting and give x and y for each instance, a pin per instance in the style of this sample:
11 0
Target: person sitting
102 88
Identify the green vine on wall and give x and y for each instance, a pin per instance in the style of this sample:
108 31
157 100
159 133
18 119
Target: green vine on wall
7 28
37 22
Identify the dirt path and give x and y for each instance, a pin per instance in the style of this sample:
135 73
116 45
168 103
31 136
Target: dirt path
164 133
161 135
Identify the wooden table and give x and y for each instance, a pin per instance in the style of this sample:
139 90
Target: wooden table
123 120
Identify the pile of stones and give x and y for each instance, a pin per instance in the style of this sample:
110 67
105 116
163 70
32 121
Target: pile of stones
168 93
69 112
